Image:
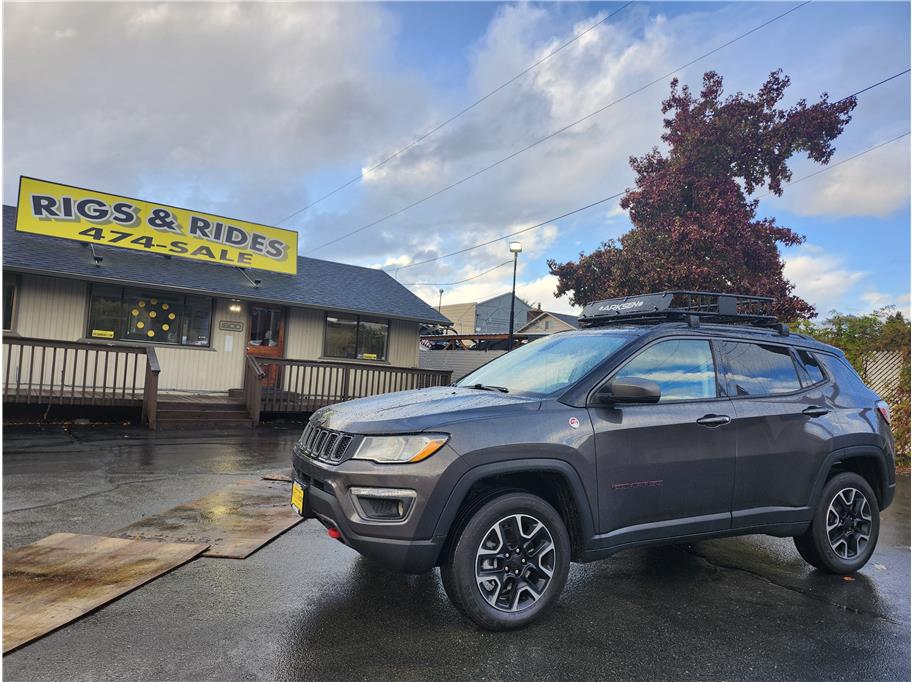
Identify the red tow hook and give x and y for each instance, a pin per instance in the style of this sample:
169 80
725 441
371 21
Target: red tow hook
334 533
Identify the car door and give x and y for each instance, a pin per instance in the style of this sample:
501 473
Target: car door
666 469
785 423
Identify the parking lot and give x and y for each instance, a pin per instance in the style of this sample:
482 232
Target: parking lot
306 607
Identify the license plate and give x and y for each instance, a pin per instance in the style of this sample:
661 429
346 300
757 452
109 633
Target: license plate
297 497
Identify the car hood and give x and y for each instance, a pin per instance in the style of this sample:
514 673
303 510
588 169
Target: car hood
418 410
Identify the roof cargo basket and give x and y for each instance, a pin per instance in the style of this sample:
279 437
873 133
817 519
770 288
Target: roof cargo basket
682 306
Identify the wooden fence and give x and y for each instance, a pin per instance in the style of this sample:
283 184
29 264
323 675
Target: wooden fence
882 370
45 372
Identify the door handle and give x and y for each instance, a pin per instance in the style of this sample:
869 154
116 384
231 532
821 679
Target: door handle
815 411
714 420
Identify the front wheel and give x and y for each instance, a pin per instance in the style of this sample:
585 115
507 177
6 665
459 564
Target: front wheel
509 563
843 534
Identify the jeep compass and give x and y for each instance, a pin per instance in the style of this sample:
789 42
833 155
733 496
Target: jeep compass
668 417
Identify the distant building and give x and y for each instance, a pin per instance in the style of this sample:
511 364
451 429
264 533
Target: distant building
546 322
487 317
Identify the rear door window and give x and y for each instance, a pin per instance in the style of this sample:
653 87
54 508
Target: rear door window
757 369
809 368
683 369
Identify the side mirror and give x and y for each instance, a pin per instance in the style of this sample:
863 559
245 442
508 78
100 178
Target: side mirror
628 390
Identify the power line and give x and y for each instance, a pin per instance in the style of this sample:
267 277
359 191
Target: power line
871 87
449 284
839 163
558 131
452 118
614 196
511 234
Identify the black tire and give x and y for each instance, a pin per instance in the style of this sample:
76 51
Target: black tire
848 502
449 585
519 532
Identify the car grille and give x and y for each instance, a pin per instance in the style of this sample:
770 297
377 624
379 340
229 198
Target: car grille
323 444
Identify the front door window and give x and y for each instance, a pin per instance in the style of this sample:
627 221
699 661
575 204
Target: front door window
265 327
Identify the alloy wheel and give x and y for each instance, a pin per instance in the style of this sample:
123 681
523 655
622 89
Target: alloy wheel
515 562
848 523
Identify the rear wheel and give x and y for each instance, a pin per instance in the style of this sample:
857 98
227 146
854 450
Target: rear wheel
509 563
846 524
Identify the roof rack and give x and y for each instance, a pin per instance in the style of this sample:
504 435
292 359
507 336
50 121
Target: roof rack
687 306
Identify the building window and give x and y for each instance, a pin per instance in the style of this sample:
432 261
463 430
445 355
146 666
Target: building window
355 338
10 293
125 314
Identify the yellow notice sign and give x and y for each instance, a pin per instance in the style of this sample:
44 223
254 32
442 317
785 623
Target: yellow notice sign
55 210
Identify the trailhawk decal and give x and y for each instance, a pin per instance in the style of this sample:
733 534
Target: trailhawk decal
637 484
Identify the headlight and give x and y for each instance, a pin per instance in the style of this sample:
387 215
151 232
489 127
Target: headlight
398 449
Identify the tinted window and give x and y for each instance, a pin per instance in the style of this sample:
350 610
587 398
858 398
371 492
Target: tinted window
547 365
758 369
355 337
682 368
811 372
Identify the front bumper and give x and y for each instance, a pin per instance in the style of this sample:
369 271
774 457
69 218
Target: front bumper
401 546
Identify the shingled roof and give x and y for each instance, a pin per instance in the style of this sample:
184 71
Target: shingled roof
319 283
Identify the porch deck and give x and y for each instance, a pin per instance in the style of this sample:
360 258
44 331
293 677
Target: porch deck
46 372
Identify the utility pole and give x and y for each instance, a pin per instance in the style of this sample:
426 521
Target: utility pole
515 249
440 301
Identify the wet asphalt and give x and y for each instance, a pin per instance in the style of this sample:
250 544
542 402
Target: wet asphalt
307 608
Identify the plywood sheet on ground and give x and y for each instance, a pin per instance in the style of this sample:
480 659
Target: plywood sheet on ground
234 521
284 476
64 576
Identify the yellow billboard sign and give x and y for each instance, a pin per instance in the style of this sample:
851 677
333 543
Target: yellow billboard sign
55 210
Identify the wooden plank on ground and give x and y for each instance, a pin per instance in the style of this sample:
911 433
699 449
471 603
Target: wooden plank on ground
234 521
282 476
64 576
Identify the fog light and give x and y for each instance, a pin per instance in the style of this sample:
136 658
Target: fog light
383 504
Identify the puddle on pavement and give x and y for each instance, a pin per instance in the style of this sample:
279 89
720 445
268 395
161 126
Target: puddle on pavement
234 521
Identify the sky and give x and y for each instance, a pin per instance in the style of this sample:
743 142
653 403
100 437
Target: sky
255 111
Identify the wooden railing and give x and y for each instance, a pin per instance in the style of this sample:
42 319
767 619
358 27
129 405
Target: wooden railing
150 389
307 385
45 372
253 387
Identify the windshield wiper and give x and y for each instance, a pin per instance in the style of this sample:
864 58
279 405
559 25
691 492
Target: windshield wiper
485 387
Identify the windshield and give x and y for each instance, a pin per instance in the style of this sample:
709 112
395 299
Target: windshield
547 365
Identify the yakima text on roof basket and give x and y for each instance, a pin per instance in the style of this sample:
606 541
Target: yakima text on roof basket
688 306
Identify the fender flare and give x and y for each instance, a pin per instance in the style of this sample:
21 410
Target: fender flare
560 467
851 452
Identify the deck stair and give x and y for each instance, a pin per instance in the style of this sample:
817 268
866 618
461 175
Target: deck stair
219 411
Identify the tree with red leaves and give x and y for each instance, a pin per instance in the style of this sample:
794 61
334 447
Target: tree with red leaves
694 227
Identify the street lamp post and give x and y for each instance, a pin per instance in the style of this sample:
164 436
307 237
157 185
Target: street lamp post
440 300
515 249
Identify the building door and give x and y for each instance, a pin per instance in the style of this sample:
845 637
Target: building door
267 338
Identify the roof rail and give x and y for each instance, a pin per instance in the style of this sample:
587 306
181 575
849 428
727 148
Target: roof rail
685 306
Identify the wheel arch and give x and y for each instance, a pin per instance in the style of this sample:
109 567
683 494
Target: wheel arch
867 461
555 481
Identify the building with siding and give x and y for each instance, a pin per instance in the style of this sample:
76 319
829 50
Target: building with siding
546 322
491 316
204 319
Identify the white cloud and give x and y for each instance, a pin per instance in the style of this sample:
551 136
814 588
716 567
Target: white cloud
876 184
822 279
220 106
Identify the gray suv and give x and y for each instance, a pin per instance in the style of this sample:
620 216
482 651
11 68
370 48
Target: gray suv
670 417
